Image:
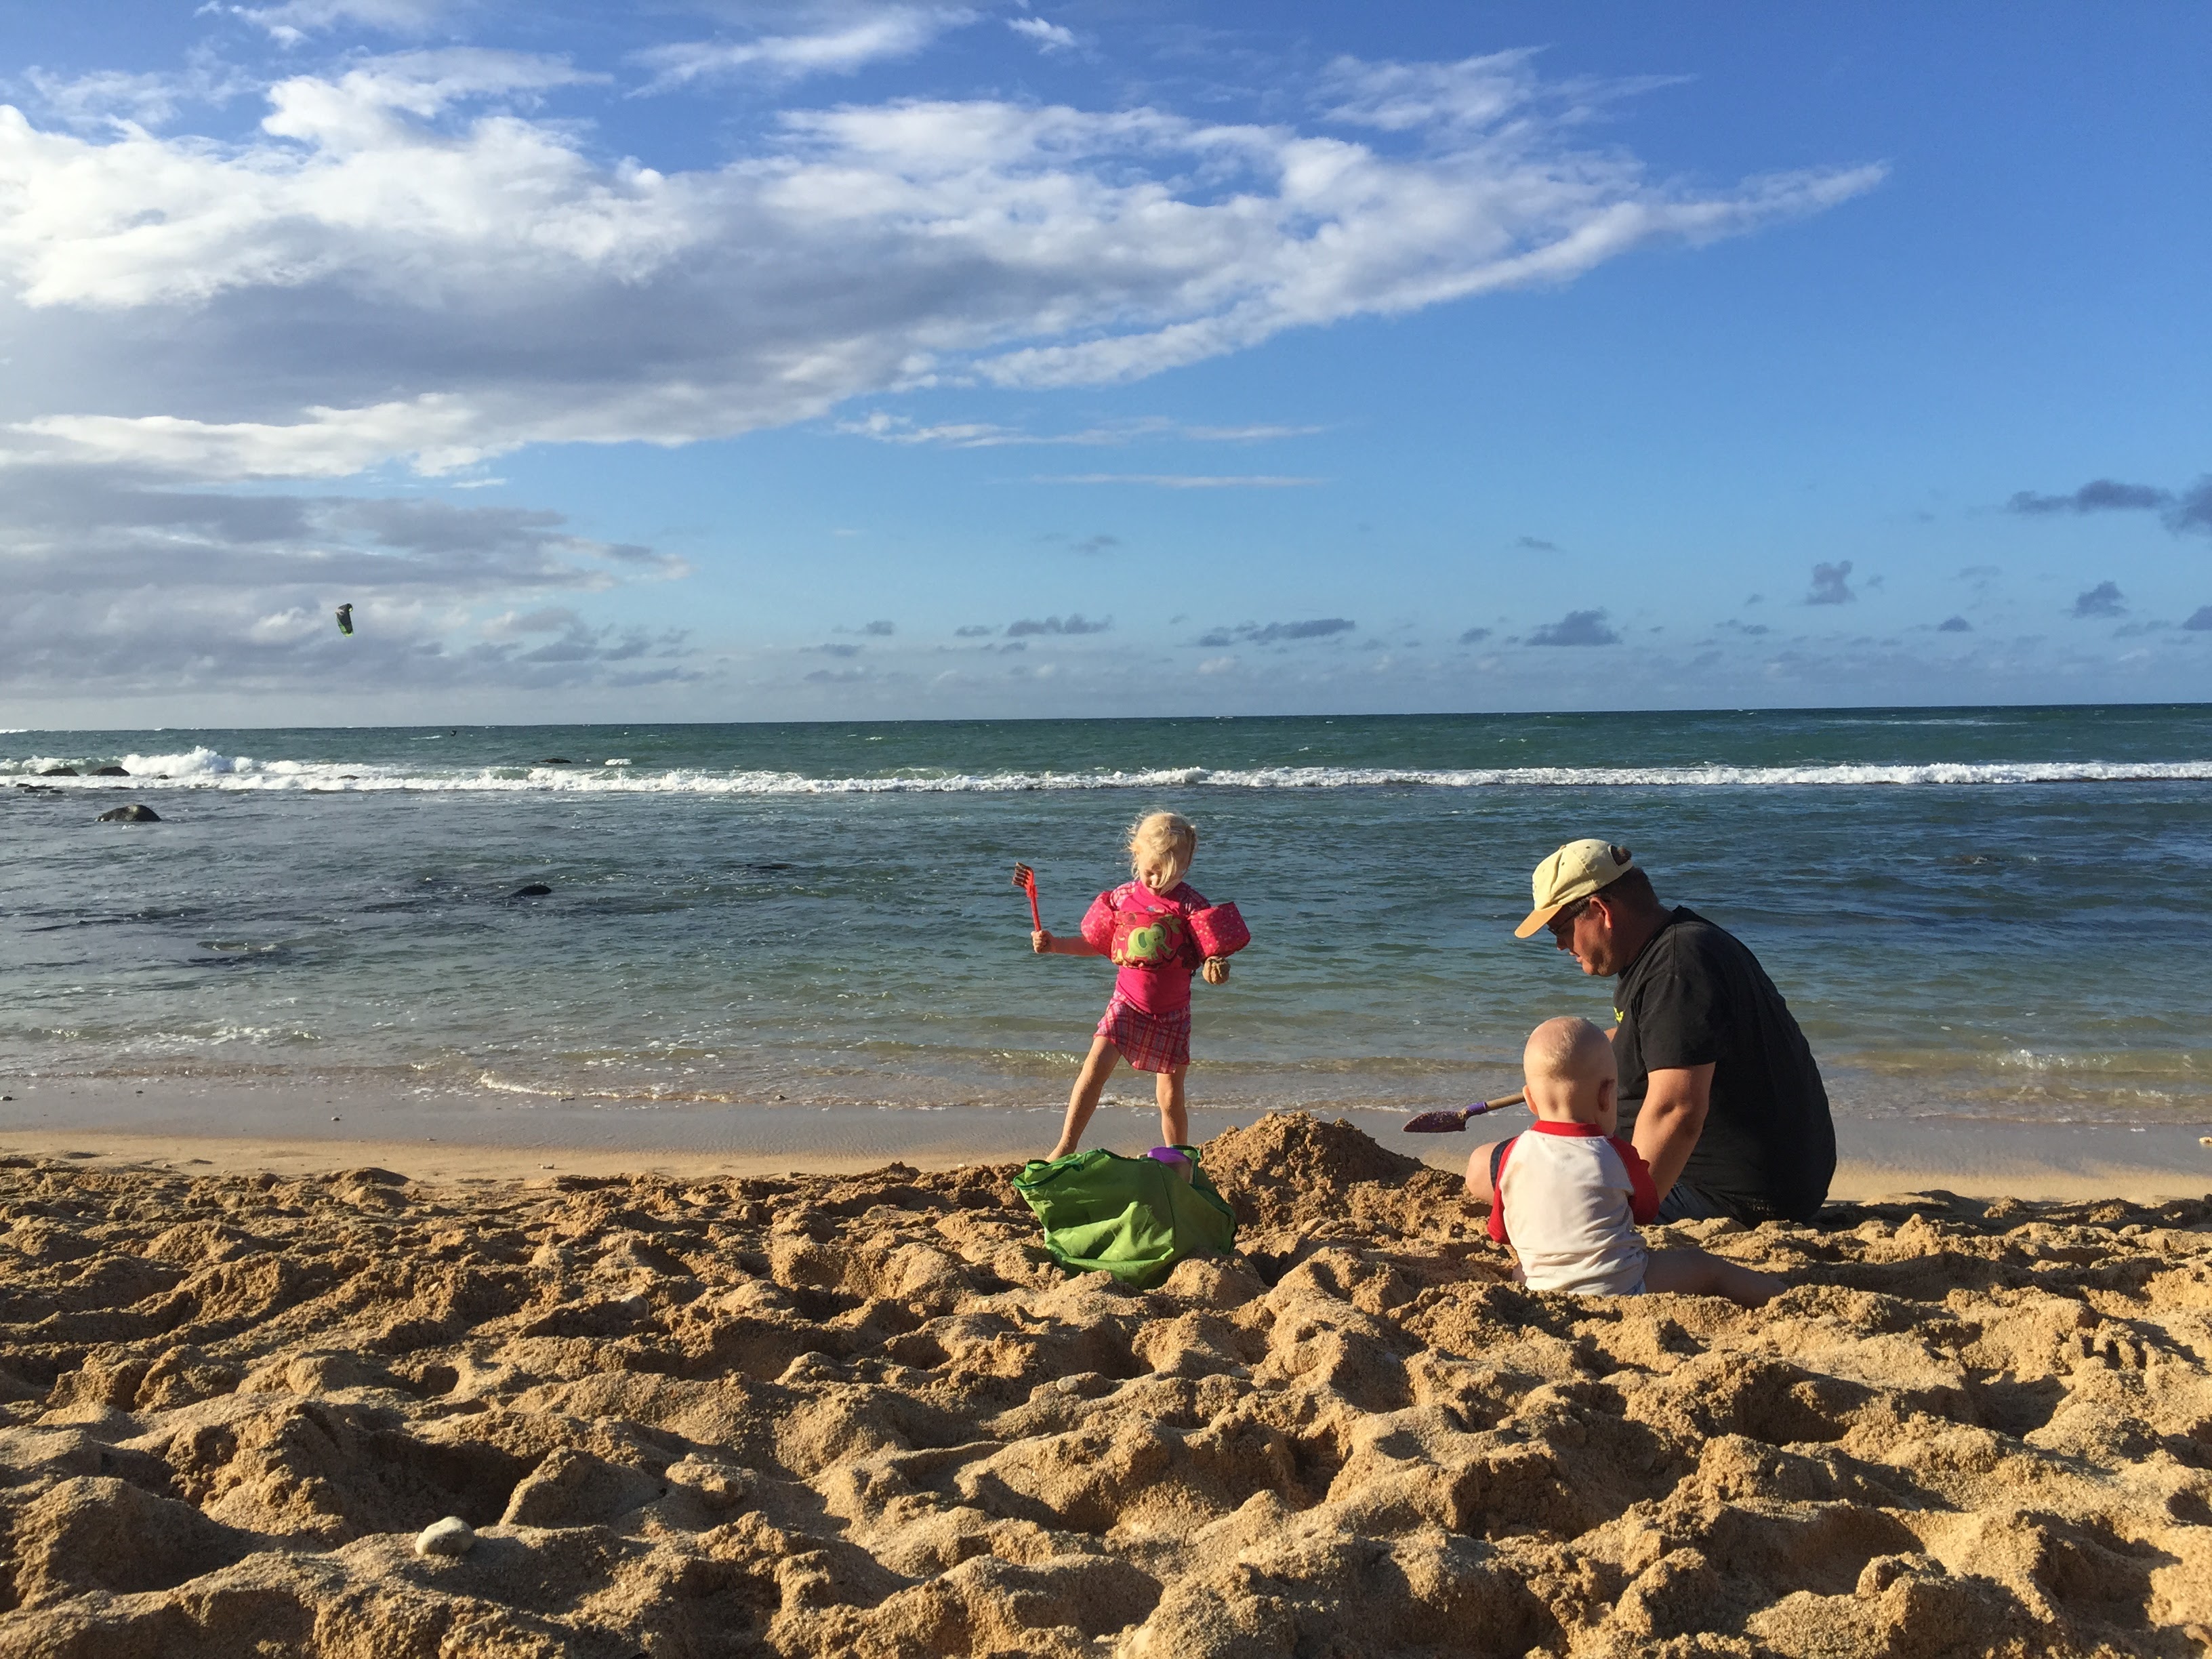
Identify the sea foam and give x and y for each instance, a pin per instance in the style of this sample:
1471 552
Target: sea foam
205 768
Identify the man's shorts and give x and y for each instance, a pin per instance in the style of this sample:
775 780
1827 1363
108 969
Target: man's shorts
1684 1202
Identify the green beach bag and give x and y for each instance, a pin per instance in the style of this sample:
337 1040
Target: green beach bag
1134 1218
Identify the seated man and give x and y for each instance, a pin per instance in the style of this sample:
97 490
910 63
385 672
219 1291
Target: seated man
1724 1101
1565 1196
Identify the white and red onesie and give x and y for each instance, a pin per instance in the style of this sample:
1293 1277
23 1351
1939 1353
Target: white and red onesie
1567 1197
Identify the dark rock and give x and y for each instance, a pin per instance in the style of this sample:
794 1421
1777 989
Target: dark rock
133 813
536 890
109 772
556 760
58 772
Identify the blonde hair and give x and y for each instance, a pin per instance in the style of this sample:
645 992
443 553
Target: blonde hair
1168 837
1573 1050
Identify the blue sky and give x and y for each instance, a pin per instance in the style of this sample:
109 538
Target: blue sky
733 360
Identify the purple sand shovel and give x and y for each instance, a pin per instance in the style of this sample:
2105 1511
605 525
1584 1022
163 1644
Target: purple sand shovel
1450 1122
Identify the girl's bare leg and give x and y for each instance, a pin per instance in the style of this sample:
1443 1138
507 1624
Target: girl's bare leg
1083 1099
1697 1273
1174 1116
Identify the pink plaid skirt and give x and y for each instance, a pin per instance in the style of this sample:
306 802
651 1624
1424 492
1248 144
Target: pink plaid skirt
1151 1042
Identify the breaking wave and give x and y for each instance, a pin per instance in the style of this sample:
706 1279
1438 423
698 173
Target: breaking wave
206 768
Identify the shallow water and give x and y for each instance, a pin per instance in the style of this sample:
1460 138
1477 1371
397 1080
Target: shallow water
1992 912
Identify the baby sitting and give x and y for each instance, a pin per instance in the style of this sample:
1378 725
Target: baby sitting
1566 1195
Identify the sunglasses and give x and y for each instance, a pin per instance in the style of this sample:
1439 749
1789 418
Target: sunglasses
1566 917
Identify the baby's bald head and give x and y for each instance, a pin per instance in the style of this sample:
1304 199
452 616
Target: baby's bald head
1570 1069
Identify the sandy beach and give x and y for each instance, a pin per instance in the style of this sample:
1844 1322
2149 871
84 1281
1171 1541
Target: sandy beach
703 1411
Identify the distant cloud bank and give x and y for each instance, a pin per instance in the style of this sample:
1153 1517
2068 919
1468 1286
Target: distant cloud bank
2184 510
1576 628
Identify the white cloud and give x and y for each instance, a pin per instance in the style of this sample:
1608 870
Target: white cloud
292 22
1046 37
448 275
890 429
1475 92
1182 480
1249 435
951 434
330 443
546 619
1472 93
120 100
873 37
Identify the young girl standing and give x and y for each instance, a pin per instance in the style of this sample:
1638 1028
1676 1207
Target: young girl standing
1147 933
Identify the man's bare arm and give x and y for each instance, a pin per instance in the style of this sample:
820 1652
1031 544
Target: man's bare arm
1671 1118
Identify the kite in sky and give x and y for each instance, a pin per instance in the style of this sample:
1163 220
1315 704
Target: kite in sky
345 620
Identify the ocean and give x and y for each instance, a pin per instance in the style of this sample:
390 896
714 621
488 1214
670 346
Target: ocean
1975 913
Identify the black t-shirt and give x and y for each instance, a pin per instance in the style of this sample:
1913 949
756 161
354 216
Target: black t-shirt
1696 993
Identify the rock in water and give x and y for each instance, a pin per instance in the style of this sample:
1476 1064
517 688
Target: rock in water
451 1536
109 772
133 813
58 772
536 890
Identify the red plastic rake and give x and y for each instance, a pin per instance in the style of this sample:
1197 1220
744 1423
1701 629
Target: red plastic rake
1025 879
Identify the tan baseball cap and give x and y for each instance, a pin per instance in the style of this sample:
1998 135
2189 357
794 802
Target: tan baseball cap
1575 872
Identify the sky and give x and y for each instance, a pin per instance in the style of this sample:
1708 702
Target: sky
801 359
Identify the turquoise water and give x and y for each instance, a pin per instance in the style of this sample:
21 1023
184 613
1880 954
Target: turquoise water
1974 912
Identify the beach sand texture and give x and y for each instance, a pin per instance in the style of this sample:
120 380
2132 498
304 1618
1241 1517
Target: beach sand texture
867 1415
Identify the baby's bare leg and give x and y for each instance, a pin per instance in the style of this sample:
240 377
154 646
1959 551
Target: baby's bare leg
1478 1174
1174 1115
1083 1099
1687 1271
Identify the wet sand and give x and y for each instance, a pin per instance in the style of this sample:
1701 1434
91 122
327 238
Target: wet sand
231 1125
703 1412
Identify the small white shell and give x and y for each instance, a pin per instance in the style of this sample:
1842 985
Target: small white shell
451 1536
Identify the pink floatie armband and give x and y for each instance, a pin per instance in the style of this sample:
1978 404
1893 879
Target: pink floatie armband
1219 929
1098 924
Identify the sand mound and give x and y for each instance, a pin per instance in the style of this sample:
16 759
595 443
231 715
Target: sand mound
1293 1180
816 1416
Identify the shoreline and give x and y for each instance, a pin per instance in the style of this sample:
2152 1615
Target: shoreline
231 1128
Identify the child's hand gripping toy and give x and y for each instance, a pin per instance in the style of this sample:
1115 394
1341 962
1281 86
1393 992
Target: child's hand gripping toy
1025 879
